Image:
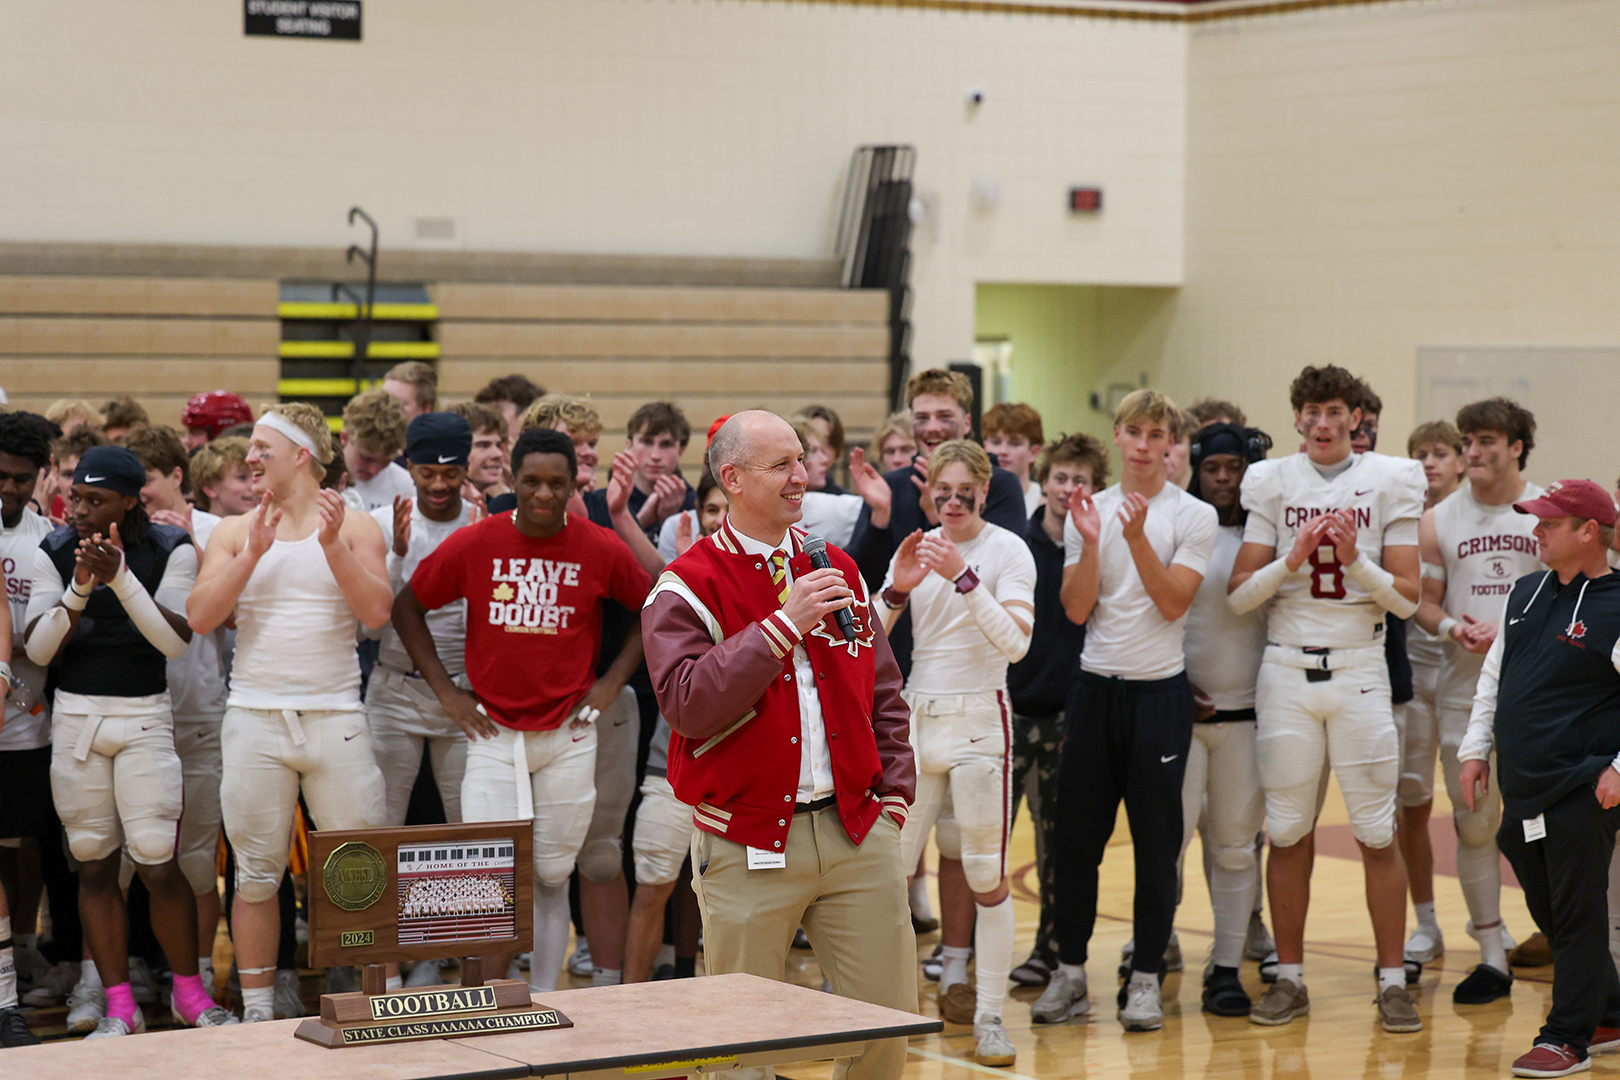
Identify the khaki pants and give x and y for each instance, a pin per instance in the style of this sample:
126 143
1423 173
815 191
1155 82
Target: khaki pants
851 901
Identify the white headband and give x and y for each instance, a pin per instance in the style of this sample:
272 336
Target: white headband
298 436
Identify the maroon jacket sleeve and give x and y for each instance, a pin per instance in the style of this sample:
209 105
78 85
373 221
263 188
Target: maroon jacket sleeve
702 688
891 722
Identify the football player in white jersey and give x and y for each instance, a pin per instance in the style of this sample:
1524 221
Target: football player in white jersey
970 586
1331 541
1474 547
1437 446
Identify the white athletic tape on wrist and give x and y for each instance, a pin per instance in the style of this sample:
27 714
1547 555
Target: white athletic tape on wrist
73 599
297 435
1380 585
1444 629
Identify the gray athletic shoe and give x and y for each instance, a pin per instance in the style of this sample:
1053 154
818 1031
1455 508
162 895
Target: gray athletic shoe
1063 999
994 1048
1257 942
257 1015
1396 1011
1284 1000
215 1017
110 1027
141 983
426 973
580 964
1424 945
1144 1009
54 987
1173 960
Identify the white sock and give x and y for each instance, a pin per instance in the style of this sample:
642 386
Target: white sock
1075 972
993 934
1425 915
666 955
551 930
917 894
394 982
1491 949
258 997
8 969
1388 977
1296 973
205 968
1144 978
955 969
607 976
88 974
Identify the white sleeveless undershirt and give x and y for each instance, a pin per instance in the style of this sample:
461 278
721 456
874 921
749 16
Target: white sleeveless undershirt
295 636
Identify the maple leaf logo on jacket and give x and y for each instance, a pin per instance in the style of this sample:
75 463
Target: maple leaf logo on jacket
1577 629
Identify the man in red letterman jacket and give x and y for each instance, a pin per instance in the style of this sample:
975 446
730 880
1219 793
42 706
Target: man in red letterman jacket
789 743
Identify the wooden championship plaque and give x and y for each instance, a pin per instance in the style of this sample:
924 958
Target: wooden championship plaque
422 892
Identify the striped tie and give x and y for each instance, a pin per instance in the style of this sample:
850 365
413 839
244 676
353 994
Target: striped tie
779 575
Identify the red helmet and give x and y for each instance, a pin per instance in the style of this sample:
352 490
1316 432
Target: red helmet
215 411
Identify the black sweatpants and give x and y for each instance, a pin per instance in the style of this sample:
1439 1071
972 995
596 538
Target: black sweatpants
1125 740
1565 877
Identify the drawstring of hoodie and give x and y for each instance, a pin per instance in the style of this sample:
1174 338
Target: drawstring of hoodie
1575 618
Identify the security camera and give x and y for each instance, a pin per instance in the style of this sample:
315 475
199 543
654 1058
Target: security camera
975 96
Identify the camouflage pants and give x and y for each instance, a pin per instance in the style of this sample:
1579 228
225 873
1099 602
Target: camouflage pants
1037 744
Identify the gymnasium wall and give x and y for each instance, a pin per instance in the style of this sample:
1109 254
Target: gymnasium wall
684 127
1365 180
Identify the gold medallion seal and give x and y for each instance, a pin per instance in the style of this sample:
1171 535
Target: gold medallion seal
354 876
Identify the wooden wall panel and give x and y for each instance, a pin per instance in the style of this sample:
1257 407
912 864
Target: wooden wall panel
69 295
644 377
492 339
102 376
605 303
23 336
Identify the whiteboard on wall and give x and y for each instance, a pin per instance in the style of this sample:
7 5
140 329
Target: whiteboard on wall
1574 393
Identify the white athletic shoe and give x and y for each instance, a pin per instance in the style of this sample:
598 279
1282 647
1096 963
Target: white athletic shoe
214 1017
341 980
580 965
514 970
54 987
425 973
1063 999
257 1015
1173 960
86 1006
1424 945
1144 1010
111 1027
30 964
289 998
993 1047
141 983
1257 941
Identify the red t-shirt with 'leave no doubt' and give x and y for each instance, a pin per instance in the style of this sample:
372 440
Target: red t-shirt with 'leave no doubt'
534 611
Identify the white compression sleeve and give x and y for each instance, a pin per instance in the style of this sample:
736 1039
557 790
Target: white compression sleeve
53 619
143 612
1260 587
1380 585
998 625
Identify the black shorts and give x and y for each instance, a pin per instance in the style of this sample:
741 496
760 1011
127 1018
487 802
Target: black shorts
25 792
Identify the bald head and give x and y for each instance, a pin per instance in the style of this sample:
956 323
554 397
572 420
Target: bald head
735 440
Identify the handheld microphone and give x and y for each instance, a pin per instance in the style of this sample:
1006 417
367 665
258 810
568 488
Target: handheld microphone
816 547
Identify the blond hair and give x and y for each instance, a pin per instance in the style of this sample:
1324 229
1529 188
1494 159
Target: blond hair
562 412
1152 407
424 381
211 462
375 421
968 453
951 384
897 423
308 419
64 409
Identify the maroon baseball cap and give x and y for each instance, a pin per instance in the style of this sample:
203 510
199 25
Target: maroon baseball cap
1572 498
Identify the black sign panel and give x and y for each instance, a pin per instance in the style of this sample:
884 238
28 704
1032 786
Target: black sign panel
302 18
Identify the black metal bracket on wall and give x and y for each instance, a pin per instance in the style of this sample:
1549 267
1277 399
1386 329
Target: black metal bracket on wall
362 324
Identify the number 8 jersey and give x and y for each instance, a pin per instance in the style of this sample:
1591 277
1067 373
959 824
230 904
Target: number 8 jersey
1320 606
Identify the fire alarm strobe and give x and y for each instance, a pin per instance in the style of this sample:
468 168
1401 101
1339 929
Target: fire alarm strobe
1085 199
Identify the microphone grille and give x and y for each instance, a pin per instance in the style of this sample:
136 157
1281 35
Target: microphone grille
814 544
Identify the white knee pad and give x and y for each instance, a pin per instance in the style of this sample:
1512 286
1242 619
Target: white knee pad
948 838
199 870
150 844
1286 833
1374 836
88 849
1238 859
983 872
1474 828
254 887
552 872
601 860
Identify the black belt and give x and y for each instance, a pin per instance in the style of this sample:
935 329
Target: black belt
818 804
1229 715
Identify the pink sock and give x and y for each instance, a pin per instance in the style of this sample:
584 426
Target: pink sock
190 999
121 1003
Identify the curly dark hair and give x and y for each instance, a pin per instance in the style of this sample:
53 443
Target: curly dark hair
1502 415
1316 385
28 436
